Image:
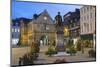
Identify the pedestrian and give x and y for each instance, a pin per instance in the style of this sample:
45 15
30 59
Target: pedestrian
20 61
25 59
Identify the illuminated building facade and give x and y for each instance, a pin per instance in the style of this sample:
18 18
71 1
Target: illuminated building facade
40 29
72 22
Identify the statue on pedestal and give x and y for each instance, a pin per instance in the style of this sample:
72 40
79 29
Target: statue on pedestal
60 33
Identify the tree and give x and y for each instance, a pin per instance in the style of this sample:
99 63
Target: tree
51 50
72 50
35 49
87 43
79 45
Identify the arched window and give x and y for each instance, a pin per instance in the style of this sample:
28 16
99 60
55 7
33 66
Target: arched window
15 30
18 30
12 29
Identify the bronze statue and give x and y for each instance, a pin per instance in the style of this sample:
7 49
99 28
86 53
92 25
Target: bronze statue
58 19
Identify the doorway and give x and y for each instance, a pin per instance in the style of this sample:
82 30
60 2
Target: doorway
43 40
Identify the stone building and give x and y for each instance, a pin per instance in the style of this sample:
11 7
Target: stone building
41 29
88 22
24 31
72 22
15 32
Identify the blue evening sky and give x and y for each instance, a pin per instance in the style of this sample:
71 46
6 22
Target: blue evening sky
27 9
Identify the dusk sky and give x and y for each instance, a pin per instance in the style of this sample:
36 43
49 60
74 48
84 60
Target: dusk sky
27 9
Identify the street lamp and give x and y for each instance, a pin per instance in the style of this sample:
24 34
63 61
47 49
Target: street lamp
66 34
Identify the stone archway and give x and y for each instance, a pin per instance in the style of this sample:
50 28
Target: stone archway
43 40
43 43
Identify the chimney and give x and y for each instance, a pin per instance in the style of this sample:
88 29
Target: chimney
35 16
77 10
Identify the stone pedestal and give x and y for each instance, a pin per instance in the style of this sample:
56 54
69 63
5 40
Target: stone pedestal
60 39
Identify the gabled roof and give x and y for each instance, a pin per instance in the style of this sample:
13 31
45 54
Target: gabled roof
41 16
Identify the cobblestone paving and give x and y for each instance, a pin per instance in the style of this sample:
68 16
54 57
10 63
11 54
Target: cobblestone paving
44 59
